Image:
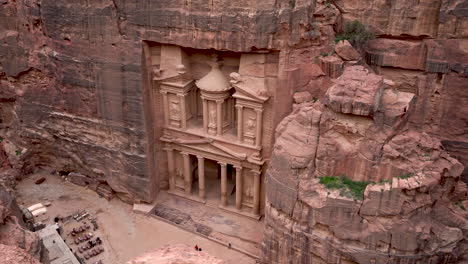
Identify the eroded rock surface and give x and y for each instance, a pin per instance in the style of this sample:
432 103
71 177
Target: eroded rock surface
73 83
15 255
422 47
411 210
17 243
176 254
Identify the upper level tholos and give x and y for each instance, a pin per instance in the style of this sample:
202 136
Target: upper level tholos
224 96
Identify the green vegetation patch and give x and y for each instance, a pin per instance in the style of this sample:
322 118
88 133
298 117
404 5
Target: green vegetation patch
18 152
356 33
459 204
406 176
347 187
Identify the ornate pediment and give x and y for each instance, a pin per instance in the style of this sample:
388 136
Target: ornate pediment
207 145
249 88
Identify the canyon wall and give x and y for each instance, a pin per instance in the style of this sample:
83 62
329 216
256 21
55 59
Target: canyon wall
422 46
17 243
351 181
74 87
75 96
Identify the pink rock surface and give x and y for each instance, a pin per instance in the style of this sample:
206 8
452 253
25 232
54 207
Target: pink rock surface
397 53
17 243
331 65
357 91
408 170
176 254
346 51
15 255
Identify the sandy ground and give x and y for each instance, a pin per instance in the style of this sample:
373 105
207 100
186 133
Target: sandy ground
240 231
125 234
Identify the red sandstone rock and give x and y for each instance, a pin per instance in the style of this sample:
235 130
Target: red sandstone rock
176 254
302 97
357 92
15 255
398 18
316 141
14 236
39 180
331 65
346 51
396 53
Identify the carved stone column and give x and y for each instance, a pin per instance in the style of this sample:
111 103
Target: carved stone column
258 137
183 113
240 123
201 177
166 108
256 198
223 183
238 187
219 115
205 115
170 166
187 174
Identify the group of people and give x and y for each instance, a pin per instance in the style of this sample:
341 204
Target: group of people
198 248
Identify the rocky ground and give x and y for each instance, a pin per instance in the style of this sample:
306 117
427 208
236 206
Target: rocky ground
125 235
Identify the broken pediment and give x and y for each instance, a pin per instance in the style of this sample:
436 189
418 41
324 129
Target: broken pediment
249 88
210 146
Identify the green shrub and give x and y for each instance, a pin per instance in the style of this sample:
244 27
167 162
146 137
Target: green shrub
347 187
406 176
356 33
461 206
385 181
18 152
324 54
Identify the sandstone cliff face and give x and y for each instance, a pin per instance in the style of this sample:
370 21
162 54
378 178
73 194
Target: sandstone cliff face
422 47
411 210
72 74
17 243
16 255
73 84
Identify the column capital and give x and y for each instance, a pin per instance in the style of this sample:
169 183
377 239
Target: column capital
163 92
219 101
168 149
239 106
223 164
200 157
238 167
256 172
184 153
258 110
181 95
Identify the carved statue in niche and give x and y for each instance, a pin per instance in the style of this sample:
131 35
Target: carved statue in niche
235 77
251 123
174 109
179 179
157 72
180 69
212 118
249 192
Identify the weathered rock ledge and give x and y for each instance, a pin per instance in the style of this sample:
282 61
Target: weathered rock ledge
412 208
